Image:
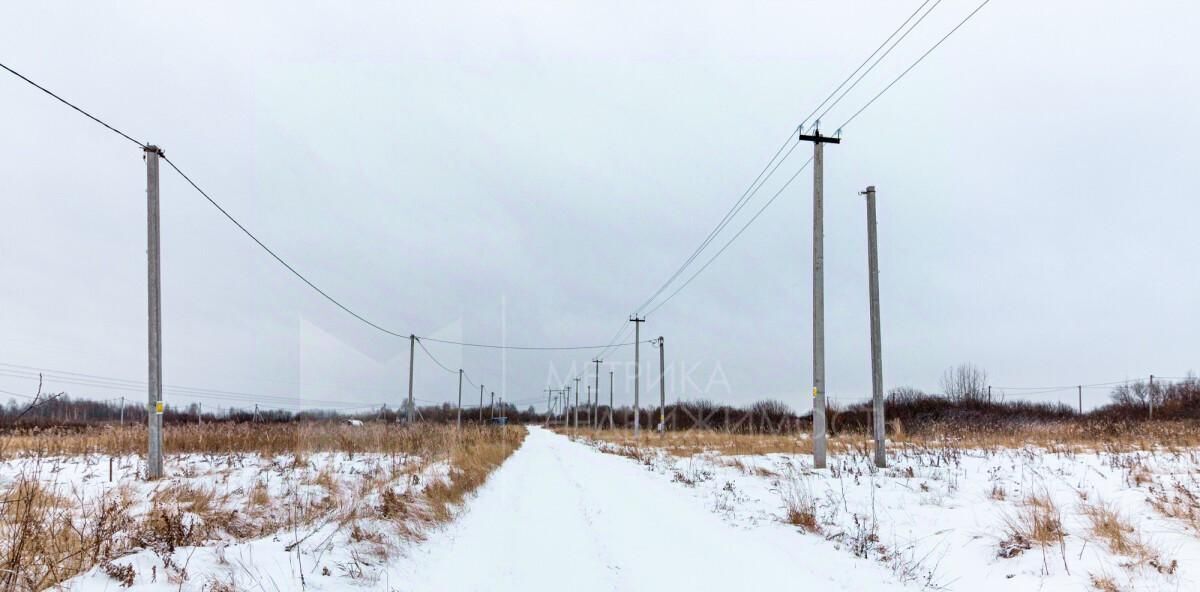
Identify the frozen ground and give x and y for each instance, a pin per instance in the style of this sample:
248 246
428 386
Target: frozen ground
945 518
560 514
557 515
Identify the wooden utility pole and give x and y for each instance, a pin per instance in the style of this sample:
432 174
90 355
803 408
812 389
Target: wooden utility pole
819 443
591 413
549 393
412 347
576 402
637 354
154 408
876 339
662 387
458 422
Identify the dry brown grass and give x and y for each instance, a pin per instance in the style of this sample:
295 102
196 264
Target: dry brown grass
46 538
472 461
1053 436
1038 521
1179 500
1104 583
266 439
1113 530
43 541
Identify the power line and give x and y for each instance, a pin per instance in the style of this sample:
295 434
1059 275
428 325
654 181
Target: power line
72 105
259 242
521 347
756 185
914 64
435 360
735 236
885 54
276 256
748 194
1070 386
185 392
860 66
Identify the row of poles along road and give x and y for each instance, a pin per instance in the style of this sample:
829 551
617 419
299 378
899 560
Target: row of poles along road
560 398
558 401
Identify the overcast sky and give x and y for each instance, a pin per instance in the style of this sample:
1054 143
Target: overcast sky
529 173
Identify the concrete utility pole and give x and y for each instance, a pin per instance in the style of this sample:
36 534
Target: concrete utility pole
460 377
590 411
610 399
122 411
412 348
576 402
549 393
637 354
154 457
596 409
567 405
481 403
819 443
662 387
876 339
1081 399
492 405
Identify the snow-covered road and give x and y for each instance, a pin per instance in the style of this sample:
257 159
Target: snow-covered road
561 515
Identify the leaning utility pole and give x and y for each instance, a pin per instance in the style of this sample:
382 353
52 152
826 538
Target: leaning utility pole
596 409
460 377
412 347
154 457
662 387
876 339
818 302
637 355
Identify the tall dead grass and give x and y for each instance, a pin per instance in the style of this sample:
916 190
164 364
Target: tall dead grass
1054 436
262 438
47 537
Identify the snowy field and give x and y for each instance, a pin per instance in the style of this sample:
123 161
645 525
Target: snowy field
589 515
970 519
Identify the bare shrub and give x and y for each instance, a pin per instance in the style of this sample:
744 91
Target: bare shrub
965 382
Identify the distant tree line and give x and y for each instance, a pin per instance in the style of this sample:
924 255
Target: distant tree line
965 399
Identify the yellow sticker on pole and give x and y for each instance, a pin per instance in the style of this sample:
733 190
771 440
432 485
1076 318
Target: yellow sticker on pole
814 392
158 407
